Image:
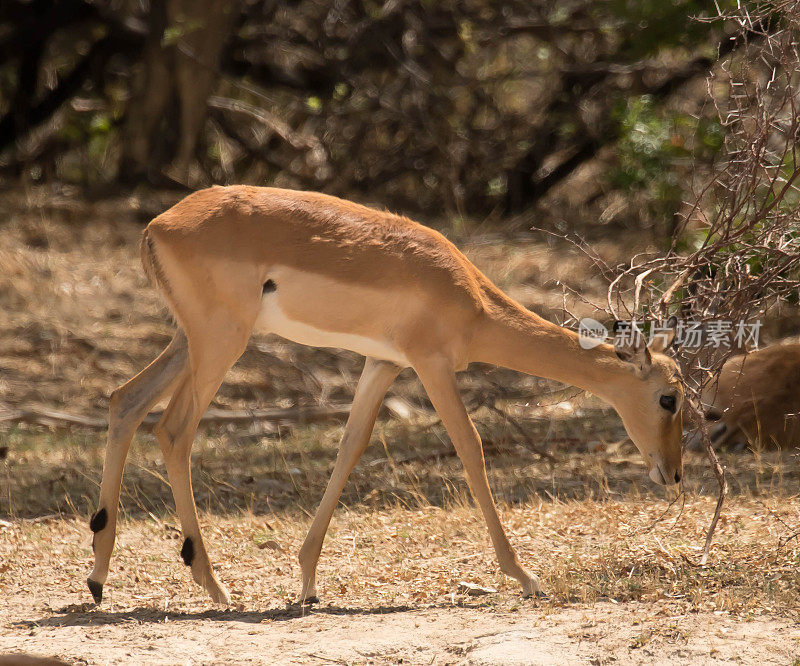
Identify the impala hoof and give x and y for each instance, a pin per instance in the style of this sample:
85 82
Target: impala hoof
96 589
206 579
307 601
221 596
532 588
536 594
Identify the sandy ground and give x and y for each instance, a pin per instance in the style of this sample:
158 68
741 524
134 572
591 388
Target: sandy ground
601 633
385 601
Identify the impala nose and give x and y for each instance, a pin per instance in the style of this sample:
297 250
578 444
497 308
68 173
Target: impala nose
677 477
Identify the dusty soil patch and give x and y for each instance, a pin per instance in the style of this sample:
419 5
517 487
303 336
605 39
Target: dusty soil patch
603 633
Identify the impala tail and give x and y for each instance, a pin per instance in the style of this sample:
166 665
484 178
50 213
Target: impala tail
150 263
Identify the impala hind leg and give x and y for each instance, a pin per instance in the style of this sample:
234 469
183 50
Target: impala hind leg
211 358
439 380
376 379
130 403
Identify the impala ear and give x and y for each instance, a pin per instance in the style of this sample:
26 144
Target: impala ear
664 338
638 357
632 349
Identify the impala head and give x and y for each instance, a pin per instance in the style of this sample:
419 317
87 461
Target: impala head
651 406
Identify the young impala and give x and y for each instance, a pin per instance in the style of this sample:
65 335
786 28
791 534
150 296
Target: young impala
326 272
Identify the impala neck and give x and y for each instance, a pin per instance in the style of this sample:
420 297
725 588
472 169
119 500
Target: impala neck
513 337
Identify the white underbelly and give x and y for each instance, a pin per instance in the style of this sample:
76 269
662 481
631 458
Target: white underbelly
271 319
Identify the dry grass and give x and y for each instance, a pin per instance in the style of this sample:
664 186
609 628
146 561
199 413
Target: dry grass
591 526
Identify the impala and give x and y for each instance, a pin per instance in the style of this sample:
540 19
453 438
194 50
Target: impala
230 261
755 399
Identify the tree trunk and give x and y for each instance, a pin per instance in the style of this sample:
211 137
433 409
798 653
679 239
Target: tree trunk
168 103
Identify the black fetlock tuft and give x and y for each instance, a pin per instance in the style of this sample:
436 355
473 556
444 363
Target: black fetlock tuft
187 552
96 589
98 521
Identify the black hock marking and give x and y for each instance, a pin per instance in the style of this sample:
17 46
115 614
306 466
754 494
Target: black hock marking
187 552
96 589
269 287
98 521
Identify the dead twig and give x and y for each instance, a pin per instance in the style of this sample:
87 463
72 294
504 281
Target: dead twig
719 473
299 414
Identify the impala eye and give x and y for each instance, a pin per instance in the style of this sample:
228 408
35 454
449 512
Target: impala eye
668 403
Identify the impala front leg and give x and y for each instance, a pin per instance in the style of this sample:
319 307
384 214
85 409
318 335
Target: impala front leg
439 380
376 379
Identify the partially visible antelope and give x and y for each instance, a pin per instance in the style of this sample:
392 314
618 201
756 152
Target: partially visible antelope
230 261
756 399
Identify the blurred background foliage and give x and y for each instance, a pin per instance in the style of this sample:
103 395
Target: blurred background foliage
579 110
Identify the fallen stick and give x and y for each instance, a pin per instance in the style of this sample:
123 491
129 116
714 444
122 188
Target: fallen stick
54 418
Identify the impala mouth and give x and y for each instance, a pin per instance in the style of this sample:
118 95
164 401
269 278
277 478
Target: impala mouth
658 475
